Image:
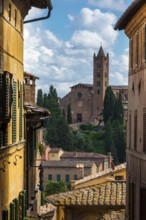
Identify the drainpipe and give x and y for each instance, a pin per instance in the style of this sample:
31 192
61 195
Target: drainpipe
41 18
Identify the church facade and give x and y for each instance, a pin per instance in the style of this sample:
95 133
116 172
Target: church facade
86 100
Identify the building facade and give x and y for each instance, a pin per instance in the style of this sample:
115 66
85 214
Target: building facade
133 21
63 165
86 100
12 140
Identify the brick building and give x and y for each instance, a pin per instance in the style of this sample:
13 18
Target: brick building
86 100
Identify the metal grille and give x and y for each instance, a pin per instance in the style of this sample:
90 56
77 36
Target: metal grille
14 113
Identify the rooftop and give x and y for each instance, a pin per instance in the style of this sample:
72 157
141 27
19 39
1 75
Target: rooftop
111 193
84 155
66 163
128 14
101 174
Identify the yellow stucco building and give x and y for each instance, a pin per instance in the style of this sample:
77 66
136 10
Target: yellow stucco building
12 141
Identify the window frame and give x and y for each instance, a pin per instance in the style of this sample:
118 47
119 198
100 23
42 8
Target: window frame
15 17
1 7
9 12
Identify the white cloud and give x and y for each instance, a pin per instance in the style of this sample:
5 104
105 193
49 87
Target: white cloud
65 63
118 5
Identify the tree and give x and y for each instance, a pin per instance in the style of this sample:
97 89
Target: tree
53 187
109 141
119 110
69 116
46 102
40 98
119 141
109 104
53 102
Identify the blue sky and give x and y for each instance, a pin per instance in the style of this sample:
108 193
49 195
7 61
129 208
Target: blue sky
60 50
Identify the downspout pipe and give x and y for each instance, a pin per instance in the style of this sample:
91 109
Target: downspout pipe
41 18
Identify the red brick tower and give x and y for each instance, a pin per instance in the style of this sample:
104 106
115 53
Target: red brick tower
100 81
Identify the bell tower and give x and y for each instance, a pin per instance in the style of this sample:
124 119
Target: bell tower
100 81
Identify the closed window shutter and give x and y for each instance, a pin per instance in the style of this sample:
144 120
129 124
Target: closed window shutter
14 115
20 112
6 96
12 211
16 203
5 214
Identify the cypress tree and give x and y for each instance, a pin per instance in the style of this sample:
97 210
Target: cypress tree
69 116
40 98
109 104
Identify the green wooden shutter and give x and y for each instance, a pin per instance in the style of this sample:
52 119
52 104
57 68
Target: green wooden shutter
16 202
14 109
22 204
20 112
5 214
12 211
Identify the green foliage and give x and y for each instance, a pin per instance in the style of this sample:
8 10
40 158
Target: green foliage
69 116
40 98
109 141
41 149
119 110
109 104
86 127
53 187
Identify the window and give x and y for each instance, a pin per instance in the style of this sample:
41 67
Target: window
119 177
49 176
98 92
9 12
14 110
135 130
6 96
3 136
131 53
144 132
98 65
142 203
79 117
129 131
132 201
137 45
1 7
67 178
21 25
15 18
20 111
79 95
98 74
58 177
75 177
98 83
145 43
5 214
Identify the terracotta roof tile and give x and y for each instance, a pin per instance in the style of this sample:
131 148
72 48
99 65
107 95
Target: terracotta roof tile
112 193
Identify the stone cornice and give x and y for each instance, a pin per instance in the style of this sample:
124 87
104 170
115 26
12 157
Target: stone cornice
25 5
136 22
